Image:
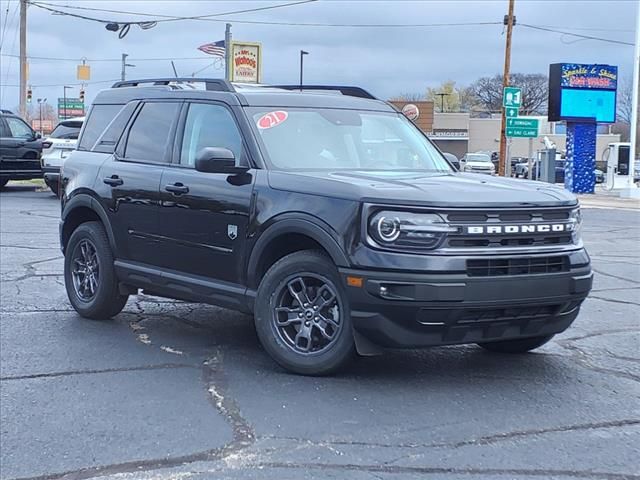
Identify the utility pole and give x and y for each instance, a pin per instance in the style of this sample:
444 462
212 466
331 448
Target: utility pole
65 100
632 191
509 20
23 58
302 54
227 52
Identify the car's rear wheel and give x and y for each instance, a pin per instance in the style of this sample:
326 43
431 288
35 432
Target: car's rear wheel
302 314
522 345
89 274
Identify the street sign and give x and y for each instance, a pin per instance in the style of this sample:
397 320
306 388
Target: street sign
511 112
522 127
512 97
72 107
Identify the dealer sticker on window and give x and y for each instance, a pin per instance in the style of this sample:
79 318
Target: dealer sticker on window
271 119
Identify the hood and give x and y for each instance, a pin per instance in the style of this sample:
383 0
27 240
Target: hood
423 189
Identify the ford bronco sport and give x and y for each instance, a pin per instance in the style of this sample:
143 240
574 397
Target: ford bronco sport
323 212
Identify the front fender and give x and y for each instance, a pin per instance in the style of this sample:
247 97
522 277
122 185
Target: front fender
307 225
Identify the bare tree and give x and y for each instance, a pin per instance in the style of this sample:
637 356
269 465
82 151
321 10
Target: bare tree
535 92
408 97
625 101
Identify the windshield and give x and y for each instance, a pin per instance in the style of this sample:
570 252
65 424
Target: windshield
67 130
330 139
478 157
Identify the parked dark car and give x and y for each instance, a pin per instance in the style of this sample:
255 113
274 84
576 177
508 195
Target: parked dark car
322 211
20 149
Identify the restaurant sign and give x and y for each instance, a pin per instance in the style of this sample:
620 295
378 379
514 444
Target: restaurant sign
246 58
576 75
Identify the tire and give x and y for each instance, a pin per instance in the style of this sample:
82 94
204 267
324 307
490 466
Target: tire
105 301
523 345
319 342
54 188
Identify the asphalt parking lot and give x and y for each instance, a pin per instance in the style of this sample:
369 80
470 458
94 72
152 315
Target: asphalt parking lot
170 390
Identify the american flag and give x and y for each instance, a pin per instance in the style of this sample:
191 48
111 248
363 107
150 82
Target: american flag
215 48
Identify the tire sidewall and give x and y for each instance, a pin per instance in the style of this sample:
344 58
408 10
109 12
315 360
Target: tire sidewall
277 276
106 279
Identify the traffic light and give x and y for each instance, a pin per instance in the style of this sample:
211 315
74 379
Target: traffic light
82 95
29 95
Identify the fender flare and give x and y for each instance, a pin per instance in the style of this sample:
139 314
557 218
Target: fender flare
306 225
84 200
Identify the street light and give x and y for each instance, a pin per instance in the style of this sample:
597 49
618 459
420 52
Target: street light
302 54
442 95
65 101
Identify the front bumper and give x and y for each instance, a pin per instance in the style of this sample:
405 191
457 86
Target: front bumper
426 309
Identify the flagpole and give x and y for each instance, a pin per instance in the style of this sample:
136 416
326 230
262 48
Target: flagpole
227 52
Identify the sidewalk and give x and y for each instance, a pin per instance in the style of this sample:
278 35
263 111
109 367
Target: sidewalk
608 199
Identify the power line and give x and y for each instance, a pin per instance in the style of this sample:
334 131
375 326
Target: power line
158 18
169 18
68 84
59 59
587 37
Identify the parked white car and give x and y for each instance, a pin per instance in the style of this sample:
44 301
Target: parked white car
57 147
477 163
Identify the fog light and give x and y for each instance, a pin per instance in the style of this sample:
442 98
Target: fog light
383 291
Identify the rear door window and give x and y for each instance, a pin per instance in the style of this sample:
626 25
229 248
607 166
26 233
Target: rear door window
98 119
109 139
150 135
18 128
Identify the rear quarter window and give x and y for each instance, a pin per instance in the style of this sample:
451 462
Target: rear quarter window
95 124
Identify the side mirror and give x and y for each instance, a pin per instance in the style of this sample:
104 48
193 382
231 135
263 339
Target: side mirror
37 136
217 160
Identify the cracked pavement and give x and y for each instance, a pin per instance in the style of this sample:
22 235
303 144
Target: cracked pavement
172 390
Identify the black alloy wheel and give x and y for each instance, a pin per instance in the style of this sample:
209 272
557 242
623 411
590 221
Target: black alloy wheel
85 270
306 313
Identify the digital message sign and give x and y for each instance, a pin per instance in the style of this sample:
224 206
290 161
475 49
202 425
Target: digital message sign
582 93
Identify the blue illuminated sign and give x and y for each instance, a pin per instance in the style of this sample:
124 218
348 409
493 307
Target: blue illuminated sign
582 92
588 103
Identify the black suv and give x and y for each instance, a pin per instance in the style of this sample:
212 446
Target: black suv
20 149
323 212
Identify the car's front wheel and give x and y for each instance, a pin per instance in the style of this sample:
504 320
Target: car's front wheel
89 274
522 345
302 314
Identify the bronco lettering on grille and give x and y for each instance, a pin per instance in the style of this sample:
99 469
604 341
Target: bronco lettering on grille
501 229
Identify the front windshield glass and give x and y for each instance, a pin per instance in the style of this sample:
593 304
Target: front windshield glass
332 139
478 157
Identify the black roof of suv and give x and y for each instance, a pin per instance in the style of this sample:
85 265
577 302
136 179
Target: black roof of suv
322 211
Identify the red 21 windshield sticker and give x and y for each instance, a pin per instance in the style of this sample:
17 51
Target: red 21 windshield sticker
271 119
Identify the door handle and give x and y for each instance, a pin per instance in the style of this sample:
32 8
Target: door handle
177 188
113 180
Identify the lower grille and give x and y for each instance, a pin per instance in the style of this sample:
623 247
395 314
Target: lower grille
497 267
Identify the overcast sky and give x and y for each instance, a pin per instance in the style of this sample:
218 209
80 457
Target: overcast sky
387 61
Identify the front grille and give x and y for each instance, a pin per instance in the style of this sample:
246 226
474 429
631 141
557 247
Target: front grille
499 267
462 219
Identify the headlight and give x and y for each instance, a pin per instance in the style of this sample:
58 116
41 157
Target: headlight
408 230
575 220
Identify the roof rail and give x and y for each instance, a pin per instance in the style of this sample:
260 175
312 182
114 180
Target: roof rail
6 111
216 84
345 90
